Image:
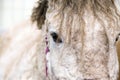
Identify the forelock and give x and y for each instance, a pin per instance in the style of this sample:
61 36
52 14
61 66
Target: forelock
97 7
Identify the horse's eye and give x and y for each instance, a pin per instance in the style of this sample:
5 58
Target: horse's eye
117 37
56 38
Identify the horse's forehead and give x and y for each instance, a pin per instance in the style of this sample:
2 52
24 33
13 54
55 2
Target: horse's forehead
55 19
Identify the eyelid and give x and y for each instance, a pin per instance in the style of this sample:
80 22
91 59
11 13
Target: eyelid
51 30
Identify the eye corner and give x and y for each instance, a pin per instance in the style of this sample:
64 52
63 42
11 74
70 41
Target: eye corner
59 40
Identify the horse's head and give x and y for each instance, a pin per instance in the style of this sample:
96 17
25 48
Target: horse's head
81 33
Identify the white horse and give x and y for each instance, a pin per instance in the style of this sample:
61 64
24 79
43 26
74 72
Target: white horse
81 37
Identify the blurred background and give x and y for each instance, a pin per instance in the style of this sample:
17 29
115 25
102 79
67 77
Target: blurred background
13 12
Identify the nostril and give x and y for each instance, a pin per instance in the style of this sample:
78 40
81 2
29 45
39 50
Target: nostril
56 37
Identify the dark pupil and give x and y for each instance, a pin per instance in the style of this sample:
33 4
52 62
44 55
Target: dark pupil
117 37
56 38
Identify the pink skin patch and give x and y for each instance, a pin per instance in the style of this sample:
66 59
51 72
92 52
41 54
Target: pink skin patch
46 52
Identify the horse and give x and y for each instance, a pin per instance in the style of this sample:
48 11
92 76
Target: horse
64 40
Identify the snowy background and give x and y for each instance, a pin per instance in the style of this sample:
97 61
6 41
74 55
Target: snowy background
13 12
